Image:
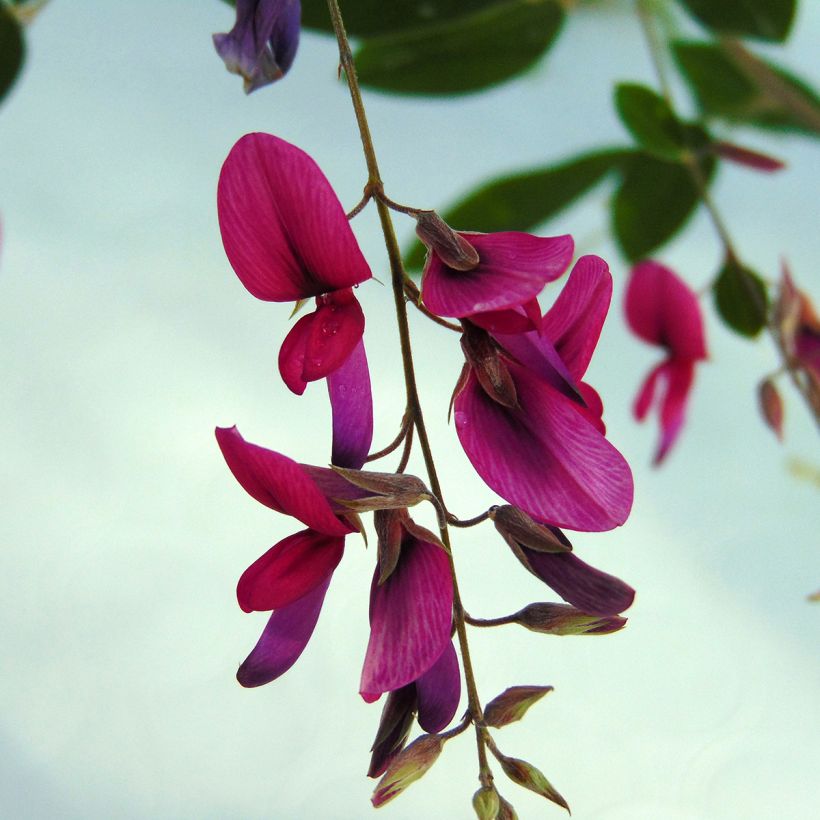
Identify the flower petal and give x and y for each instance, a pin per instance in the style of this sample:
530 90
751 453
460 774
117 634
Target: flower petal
284 230
579 584
439 691
289 570
284 639
573 324
278 482
679 376
351 402
514 268
292 354
331 337
544 456
410 618
394 728
594 409
663 310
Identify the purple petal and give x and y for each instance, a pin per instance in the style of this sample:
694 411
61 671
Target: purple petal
573 324
579 584
514 268
262 44
352 405
331 337
394 728
410 618
284 639
289 570
439 691
544 455
284 230
663 310
278 482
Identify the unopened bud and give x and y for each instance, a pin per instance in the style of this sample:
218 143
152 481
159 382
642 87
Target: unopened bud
505 810
451 247
563 619
393 490
512 704
771 406
394 727
528 776
747 157
408 766
486 803
515 525
484 358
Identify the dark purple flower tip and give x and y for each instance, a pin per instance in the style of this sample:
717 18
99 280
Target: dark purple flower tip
513 268
261 46
284 639
394 728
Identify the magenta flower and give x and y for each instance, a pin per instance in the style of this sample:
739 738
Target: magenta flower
287 238
410 619
262 44
292 577
661 309
538 444
512 270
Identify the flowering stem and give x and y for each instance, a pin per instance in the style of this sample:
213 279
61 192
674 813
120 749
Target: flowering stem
398 277
690 161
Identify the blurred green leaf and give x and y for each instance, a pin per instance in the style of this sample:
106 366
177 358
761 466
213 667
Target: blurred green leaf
462 55
764 19
741 299
653 202
650 120
367 18
12 50
731 82
524 200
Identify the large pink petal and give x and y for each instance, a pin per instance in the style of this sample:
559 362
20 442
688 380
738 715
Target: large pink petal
579 584
284 230
573 324
439 690
284 639
278 482
351 402
289 570
410 618
663 310
331 337
544 455
514 268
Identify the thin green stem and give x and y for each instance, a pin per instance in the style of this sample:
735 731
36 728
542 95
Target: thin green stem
398 277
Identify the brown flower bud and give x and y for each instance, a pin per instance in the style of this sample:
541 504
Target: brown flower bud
452 248
406 767
563 619
483 355
517 528
486 803
528 776
771 406
391 490
512 704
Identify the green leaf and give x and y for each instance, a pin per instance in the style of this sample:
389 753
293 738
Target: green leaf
367 18
729 81
524 200
653 202
764 19
462 55
650 120
12 50
741 299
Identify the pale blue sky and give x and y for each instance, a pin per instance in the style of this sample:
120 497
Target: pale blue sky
125 338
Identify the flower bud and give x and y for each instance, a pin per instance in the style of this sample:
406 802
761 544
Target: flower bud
512 704
505 810
393 490
407 767
451 247
747 157
771 406
486 803
394 727
516 526
528 776
563 619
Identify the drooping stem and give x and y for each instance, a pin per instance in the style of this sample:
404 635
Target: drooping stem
692 164
398 277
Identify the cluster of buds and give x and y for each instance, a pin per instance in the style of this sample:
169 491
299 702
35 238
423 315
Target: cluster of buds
527 421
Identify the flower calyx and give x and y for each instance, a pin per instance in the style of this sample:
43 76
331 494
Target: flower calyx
451 247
